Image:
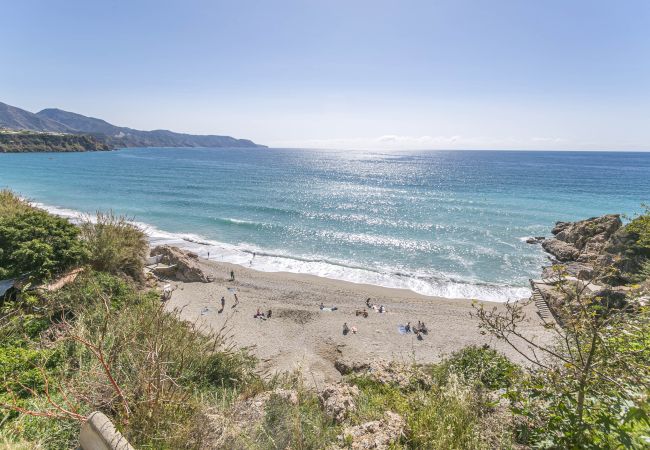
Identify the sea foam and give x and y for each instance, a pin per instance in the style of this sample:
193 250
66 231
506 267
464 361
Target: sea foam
270 260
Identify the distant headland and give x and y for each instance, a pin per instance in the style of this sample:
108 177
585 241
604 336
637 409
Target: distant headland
56 130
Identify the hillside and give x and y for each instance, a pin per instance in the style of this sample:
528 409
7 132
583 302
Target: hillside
57 120
36 141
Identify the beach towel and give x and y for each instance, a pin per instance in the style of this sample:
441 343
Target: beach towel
233 290
333 308
401 329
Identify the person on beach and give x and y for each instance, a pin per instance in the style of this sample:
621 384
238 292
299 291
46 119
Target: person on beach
208 254
382 309
353 329
368 304
346 329
259 314
232 275
268 314
236 301
407 328
322 306
223 302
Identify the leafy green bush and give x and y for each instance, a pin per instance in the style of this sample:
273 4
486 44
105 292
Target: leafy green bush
116 245
38 244
482 365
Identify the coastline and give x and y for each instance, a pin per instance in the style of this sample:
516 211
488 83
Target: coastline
275 261
301 336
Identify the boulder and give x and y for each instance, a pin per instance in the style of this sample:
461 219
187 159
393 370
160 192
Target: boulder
378 434
182 265
573 269
387 372
339 400
562 251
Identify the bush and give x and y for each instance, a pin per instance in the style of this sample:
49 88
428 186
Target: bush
37 244
116 245
452 414
482 365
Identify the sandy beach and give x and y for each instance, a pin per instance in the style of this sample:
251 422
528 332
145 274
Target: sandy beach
300 335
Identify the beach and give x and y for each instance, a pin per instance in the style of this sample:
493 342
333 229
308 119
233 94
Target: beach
301 336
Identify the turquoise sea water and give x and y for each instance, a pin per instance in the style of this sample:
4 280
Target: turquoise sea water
449 223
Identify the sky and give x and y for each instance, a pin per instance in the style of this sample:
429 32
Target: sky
368 74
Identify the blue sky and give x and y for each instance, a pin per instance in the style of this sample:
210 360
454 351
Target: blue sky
354 73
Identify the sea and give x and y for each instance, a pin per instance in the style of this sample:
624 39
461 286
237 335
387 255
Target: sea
440 223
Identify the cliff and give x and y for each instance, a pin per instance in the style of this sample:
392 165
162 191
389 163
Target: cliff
30 141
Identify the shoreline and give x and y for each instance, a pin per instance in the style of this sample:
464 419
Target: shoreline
301 336
273 261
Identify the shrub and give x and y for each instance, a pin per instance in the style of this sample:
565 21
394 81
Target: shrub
116 245
452 414
37 244
482 365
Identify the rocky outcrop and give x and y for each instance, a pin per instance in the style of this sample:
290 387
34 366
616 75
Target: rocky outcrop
339 400
181 265
386 372
582 241
378 434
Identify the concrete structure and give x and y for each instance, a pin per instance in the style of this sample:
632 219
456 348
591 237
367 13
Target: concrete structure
99 433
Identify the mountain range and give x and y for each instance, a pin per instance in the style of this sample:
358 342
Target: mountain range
58 121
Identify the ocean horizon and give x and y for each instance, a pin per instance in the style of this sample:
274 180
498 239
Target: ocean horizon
440 223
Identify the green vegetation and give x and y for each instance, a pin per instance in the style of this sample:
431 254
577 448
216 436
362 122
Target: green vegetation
116 246
104 342
35 243
33 141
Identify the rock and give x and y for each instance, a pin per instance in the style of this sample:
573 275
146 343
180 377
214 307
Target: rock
339 400
185 265
378 434
388 372
346 367
560 250
573 269
535 240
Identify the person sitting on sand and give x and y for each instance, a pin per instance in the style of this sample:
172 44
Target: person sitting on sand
353 329
407 328
382 309
268 314
346 329
322 306
424 329
419 335
368 304
259 314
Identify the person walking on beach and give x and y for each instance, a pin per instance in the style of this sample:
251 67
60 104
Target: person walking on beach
208 254
236 301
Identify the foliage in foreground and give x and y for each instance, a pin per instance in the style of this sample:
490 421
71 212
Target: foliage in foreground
115 245
36 244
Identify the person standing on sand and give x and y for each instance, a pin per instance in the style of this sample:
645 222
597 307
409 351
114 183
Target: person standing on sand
232 275
346 329
223 302
236 301
208 254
